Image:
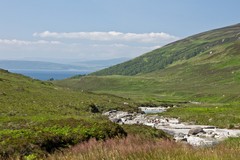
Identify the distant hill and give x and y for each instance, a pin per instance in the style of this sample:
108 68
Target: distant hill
206 45
37 65
86 66
203 67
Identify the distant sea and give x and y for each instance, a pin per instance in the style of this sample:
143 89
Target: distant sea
46 75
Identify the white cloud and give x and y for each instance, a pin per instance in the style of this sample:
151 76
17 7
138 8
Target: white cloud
84 45
17 49
111 36
23 42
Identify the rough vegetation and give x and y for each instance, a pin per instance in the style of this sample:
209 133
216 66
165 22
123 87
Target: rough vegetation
38 118
135 147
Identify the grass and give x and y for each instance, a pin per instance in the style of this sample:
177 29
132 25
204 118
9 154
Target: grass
135 147
194 80
203 67
213 85
220 115
38 117
145 132
196 83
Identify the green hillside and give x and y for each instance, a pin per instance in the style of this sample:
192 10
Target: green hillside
203 68
37 118
201 44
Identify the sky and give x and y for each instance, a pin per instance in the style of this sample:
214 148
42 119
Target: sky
78 30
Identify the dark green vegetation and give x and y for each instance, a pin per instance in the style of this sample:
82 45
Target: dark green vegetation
37 118
203 68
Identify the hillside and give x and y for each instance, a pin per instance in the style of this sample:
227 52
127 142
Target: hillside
203 44
98 64
211 77
38 118
203 67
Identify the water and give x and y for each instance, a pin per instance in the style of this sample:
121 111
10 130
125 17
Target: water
46 75
152 109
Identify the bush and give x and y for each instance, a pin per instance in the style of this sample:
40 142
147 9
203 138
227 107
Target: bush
54 135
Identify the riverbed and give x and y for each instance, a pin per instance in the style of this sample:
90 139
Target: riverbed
195 135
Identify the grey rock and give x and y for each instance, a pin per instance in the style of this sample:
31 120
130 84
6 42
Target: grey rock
179 137
116 120
195 131
195 135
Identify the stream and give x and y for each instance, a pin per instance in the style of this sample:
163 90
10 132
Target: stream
195 135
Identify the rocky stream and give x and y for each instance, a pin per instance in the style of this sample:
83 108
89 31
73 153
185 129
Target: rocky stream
195 135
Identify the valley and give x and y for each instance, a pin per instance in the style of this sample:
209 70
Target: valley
195 81
200 74
210 77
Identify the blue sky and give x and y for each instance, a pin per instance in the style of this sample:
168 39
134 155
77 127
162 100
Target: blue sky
104 29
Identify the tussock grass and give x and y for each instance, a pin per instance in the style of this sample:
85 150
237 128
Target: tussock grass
136 147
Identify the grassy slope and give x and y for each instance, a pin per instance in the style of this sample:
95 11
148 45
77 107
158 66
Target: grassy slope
211 76
25 96
203 67
38 117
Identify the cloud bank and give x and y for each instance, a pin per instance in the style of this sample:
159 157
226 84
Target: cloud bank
83 45
110 36
23 42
